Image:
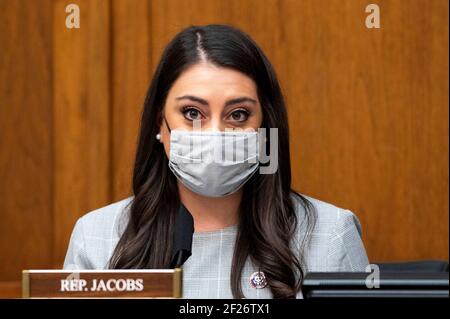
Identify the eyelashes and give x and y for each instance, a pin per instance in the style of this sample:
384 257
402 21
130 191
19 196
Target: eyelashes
240 115
192 113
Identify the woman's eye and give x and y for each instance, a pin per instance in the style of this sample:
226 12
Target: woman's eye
192 114
239 116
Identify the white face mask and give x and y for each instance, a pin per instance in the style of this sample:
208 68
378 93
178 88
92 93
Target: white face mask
213 164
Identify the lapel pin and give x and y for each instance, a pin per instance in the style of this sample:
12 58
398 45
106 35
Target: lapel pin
258 280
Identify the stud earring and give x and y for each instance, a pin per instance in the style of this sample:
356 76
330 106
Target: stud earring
158 137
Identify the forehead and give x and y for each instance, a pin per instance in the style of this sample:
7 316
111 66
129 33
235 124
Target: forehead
211 81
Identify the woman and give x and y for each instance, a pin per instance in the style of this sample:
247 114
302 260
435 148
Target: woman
254 236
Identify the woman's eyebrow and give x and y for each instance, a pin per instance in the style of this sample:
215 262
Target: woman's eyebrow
240 100
193 98
229 102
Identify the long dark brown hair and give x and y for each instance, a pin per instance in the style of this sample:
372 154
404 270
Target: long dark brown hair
267 218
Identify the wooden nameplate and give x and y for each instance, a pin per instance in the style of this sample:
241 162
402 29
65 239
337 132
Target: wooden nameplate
123 283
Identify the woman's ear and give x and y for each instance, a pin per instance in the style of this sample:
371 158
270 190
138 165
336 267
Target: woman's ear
159 135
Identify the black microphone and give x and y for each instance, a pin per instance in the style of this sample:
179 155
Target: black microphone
184 230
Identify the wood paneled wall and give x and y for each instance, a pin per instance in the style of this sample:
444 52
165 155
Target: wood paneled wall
368 112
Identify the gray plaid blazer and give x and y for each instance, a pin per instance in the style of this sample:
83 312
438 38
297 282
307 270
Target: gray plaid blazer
335 246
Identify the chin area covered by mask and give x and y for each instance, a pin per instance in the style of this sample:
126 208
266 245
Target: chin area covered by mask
213 163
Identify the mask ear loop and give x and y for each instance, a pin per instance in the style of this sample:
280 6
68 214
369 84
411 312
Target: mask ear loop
158 136
167 124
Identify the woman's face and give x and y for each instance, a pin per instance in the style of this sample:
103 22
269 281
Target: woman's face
218 97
